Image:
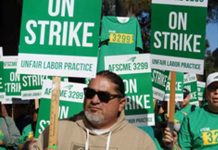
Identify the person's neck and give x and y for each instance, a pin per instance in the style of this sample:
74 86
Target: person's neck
102 126
212 109
99 131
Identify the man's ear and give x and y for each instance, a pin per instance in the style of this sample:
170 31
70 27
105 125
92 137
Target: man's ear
122 103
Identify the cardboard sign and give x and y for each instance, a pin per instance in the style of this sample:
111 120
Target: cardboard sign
11 79
178 87
159 80
59 38
135 71
178 35
71 102
31 86
190 83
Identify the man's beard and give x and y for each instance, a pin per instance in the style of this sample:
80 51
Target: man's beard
94 119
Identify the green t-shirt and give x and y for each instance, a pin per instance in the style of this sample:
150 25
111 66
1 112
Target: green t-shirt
9 133
27 133
199 130
119 38
150 132
180 114
1 135
2 138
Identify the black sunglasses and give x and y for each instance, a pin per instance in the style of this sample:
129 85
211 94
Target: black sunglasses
103 96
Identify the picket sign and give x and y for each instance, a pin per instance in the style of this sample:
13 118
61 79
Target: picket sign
52 140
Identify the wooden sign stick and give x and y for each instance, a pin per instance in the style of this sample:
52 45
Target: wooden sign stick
172 102
172 96
53 128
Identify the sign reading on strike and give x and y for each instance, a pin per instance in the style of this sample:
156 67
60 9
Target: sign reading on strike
59 37
178 35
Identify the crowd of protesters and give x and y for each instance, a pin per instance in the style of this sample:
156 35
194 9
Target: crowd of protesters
103 124
16 127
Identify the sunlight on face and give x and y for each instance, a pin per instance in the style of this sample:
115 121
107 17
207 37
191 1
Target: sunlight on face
102 114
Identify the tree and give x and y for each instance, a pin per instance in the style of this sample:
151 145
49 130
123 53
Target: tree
209 63
212 11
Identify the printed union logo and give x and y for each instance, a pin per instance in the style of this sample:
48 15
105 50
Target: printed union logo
69 87
132 59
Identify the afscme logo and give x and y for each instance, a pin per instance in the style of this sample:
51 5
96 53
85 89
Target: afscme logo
132 59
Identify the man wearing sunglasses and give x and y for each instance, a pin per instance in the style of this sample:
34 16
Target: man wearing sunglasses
199 129
102 124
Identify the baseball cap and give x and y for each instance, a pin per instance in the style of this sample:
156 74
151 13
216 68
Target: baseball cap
213 77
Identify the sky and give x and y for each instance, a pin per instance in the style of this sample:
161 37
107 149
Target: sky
212 35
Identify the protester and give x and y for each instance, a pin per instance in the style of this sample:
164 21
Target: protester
21 115
29 131
186 99
183 109
160 120
102 125
9 134
199 129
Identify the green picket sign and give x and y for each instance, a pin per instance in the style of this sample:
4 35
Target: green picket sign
178 35
59 38
159 80
31 86
190 82
11 79
139 109
135 71
71 102
179 87
66 110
